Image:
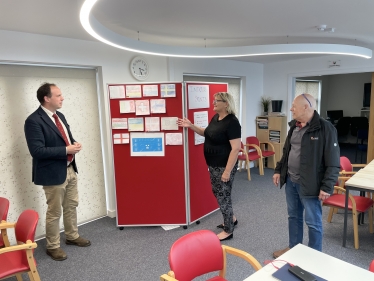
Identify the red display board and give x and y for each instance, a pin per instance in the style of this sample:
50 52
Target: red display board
202 200
150 190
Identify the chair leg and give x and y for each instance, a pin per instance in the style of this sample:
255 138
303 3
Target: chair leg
261 166
274 161
355 229
249 173
240 165
331 212
19 277
371 230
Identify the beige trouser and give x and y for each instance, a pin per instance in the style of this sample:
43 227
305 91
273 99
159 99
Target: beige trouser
66 196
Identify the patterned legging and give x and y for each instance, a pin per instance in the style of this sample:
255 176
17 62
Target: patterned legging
222 192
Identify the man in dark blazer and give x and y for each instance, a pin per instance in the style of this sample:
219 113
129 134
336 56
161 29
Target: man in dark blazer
53 149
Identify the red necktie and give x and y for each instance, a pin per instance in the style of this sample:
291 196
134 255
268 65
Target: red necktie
61 129
298 124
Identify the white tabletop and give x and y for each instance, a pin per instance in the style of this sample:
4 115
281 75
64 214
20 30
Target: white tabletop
316 262
364 178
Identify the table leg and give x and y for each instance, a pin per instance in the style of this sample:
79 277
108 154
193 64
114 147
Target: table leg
345 215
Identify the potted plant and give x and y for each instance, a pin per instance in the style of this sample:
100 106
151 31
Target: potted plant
265 102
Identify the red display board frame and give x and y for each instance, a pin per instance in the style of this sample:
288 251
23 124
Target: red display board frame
201 199
150 190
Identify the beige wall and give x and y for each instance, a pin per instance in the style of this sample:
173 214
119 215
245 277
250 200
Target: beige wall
18 85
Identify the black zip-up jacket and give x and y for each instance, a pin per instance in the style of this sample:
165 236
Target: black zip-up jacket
319 157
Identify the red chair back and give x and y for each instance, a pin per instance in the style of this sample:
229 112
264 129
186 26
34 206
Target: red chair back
371 267
345 164
4 207
252 140
26 226
195 254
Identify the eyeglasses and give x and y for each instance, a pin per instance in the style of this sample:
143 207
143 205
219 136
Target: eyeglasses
307 100
215 101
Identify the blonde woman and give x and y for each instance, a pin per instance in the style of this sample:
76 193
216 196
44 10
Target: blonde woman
221 148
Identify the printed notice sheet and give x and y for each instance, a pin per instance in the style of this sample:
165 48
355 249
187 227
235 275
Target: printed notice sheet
126 106
169 123
198 96
152 124
158 106
121 138
133 91
117 92
147 144
119 123
173 138
136 124
142 107
200 119
168 90
150 91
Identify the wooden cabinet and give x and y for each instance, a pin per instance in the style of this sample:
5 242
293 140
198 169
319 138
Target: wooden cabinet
272 129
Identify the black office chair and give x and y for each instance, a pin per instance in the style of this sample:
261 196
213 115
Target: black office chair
362 136
343 126
357 123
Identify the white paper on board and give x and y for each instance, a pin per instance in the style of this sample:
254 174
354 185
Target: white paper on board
198 96
201 120
117 92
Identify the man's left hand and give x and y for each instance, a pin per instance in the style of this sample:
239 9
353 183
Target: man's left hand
323 195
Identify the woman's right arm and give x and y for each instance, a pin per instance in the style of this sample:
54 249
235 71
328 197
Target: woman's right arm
185 123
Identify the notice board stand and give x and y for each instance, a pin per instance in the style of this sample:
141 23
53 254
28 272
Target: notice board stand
201 199
173 189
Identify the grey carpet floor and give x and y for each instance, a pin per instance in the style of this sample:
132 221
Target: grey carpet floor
141 253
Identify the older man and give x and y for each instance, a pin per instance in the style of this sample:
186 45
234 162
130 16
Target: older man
309 168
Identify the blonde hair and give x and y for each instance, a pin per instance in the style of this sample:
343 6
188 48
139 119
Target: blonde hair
227 97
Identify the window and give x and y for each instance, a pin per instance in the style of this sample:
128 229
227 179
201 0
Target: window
310 87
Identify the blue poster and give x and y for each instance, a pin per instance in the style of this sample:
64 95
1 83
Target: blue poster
147 144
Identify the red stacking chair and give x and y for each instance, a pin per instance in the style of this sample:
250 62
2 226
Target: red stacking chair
4 207
264 152
201 252
15 260
371 267
246 157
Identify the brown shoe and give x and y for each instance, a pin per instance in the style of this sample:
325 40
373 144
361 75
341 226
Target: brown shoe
57 254
276 254
81 242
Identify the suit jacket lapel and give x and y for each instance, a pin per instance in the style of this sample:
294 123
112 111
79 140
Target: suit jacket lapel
44 116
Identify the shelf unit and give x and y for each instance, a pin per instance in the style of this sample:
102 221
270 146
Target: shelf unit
272 129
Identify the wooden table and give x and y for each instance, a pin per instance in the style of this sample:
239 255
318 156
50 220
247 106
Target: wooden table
318 263
363 180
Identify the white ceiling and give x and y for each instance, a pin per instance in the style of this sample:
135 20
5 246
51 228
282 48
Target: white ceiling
199 23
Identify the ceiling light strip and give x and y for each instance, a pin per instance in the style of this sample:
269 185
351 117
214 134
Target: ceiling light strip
105 35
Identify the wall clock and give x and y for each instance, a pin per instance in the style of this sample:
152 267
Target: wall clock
139 68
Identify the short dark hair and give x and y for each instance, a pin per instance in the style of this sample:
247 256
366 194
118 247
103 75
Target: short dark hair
44 91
